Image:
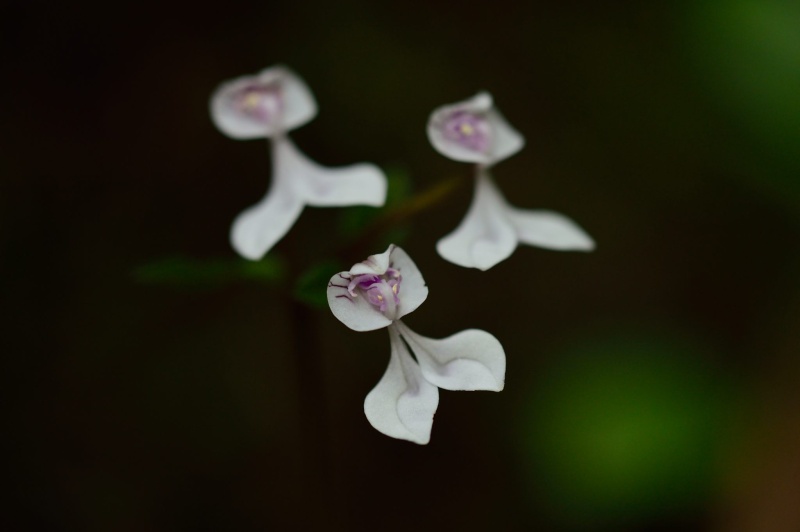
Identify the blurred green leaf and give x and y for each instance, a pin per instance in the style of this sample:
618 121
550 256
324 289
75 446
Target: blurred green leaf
207 273
747 54
625 427
311 287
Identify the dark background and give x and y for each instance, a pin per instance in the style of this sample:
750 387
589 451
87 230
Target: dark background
651 385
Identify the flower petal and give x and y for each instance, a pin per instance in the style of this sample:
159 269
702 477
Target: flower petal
355 311
506 141
299 104
258 228
485 235
413 290
358 184
403 403
469 360
548 229
288 104
376 264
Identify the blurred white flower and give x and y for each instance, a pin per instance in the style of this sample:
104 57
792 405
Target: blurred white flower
376 293
474 131
270 104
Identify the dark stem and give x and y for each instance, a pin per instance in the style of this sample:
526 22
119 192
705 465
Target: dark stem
361 246
312 406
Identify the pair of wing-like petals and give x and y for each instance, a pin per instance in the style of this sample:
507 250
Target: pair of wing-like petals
404 401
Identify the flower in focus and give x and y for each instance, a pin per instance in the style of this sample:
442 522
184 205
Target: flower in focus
474 131
270 104
376 293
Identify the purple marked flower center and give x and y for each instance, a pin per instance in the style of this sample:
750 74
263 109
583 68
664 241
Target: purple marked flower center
470 130
382 291
261 102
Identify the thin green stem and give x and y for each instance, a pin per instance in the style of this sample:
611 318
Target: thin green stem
420 202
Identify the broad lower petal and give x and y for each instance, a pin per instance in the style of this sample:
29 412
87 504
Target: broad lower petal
469 360
258 228
358 184
354 310
485 235
548 229
413 290
403 403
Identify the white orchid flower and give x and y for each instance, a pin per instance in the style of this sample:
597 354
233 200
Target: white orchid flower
270 104
474 131
377 293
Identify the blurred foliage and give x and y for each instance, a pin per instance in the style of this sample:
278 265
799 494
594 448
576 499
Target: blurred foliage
747 54
210 273
353 220
311 286
624 428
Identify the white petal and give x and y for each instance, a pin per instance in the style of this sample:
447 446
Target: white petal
403 403
258 228
479 104
298 105
374 264
358 184
354 311
413 290
550 230
469 360
506 141
485 235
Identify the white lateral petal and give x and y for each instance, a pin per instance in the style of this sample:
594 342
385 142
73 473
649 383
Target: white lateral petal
403 403
353 310
506 141
479 105
469 360
485 235
548 229
279 101
358 184
413 290
258 228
